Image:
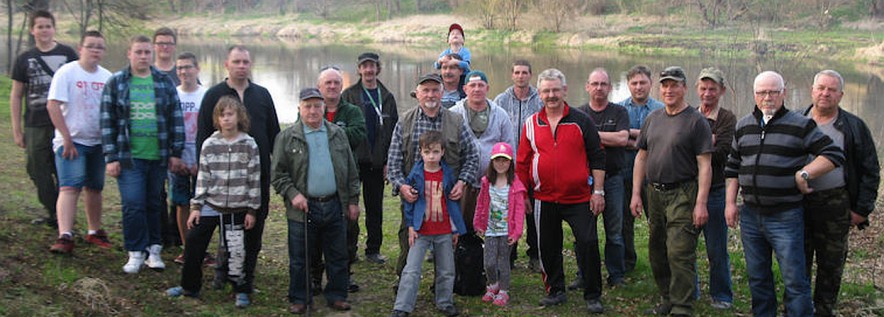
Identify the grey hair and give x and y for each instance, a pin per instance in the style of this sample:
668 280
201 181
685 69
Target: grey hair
769 73
551 74
329 70
601 70
830 73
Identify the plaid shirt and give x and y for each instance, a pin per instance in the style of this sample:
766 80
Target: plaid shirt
395 160
115 120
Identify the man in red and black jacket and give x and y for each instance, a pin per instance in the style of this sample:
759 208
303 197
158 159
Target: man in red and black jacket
562 162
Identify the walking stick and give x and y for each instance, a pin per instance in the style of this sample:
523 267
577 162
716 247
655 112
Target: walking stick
308 302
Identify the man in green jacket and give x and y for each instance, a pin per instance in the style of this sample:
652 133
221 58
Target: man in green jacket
300 172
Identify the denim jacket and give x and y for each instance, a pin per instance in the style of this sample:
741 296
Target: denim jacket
414 212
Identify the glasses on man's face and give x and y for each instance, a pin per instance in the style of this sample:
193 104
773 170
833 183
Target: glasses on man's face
771 93
164 44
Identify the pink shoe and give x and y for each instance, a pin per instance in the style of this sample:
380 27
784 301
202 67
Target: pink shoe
501 299
490 294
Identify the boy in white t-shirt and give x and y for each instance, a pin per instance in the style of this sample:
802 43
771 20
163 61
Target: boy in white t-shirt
75 108
181 185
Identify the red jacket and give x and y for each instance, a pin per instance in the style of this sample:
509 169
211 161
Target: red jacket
557 167
515 212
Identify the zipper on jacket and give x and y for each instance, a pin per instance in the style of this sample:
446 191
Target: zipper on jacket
757 159
227 196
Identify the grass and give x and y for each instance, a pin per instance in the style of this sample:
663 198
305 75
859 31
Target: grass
91 283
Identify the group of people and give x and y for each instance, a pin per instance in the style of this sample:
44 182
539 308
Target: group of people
461 164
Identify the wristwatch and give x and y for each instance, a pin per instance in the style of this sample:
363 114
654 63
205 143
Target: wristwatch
804 174
599 192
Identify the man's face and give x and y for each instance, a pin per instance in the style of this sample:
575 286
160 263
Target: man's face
672 92
476 90
369 71
710 93
140 56
187 71
330 84
43 30
769 95
826 93
164 46
451 72
429 95
238 65
311 112
432 154
521 76
553 93
92 50
598 86
639 87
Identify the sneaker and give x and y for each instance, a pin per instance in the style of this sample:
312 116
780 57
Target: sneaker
554 299
154 261
179 291
63 245
576 285
242 300
209 260
376 258
594 306
449 311
99 239
490 294
662 309
721 305
136 260
501 299
179 259
399 313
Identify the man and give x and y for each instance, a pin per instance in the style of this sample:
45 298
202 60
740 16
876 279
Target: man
306 156
489 124
612 122
559 152
638 106
142 133
31 75
772 215
675 149
710 89
381 115
841 198
520 101
404 149
164 44
350 118
265 127
75 108
452 80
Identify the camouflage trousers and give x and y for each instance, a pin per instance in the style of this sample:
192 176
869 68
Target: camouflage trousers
826 228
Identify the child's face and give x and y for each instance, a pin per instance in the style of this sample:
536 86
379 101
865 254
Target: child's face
228 120
432 154
501 165
455 38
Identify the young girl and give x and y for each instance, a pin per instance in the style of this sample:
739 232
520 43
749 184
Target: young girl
228 193
500 213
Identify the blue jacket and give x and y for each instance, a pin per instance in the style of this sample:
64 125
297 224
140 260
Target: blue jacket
414 212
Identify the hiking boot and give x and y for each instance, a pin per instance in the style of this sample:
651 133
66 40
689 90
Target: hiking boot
99 239
554 299
376 258
154 261
501 299
594 306
662 309
136 260
63 245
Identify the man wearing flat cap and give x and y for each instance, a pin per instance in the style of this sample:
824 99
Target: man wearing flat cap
305 154
381 115
404 149
675 149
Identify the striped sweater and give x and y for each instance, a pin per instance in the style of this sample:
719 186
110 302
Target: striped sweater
229 178
766 157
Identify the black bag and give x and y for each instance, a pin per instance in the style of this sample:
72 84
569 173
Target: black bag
469 279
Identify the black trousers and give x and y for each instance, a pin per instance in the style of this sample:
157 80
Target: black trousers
373 199
253 240
583 225
198 240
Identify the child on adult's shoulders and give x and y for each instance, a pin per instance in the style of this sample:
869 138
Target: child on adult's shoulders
455 45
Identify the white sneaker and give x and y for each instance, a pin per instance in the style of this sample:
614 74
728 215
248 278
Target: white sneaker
136 260
154 261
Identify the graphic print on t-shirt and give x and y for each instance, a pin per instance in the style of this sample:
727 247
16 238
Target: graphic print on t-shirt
143 118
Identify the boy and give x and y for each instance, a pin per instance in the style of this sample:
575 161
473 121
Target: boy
430 221
455 45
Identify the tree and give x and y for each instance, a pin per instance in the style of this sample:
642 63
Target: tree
512 9
557 12
112 12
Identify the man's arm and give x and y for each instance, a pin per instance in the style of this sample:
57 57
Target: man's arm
16 96
614 139
704 180
868 174
638 180
731 212
816 168
395 160
53 107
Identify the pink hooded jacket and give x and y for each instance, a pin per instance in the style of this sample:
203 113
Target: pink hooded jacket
516 212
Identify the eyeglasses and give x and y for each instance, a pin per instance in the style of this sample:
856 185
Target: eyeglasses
94 47
166 44
772 93
327 67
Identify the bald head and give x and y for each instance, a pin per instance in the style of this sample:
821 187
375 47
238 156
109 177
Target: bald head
330 84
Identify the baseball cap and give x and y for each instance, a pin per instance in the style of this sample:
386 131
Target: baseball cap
672 73
368 56
455 26
712 73
471 76
502 149
430 77
309 93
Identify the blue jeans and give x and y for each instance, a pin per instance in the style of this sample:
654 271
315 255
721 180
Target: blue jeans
140 191
85 170
715 232
613 214
325 222
410 280
782 233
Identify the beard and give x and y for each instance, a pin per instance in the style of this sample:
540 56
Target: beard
431 104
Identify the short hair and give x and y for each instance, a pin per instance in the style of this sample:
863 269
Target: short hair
551 74
40 14
600 70
330 70
769 73
236 47
231 102
638 69
521 62
830 73
431 137
138 39
90 33
167 32
189 56
455 56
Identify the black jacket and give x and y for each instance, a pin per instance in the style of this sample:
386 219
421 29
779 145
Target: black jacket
366 154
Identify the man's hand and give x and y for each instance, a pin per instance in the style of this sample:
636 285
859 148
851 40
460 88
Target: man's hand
19 138
113 169
300 202
597 204
408 193
69 150
175 165
856 219
353 211
193 219
731 215
636 206
412 235
803 187
249 223
457 191
701 215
